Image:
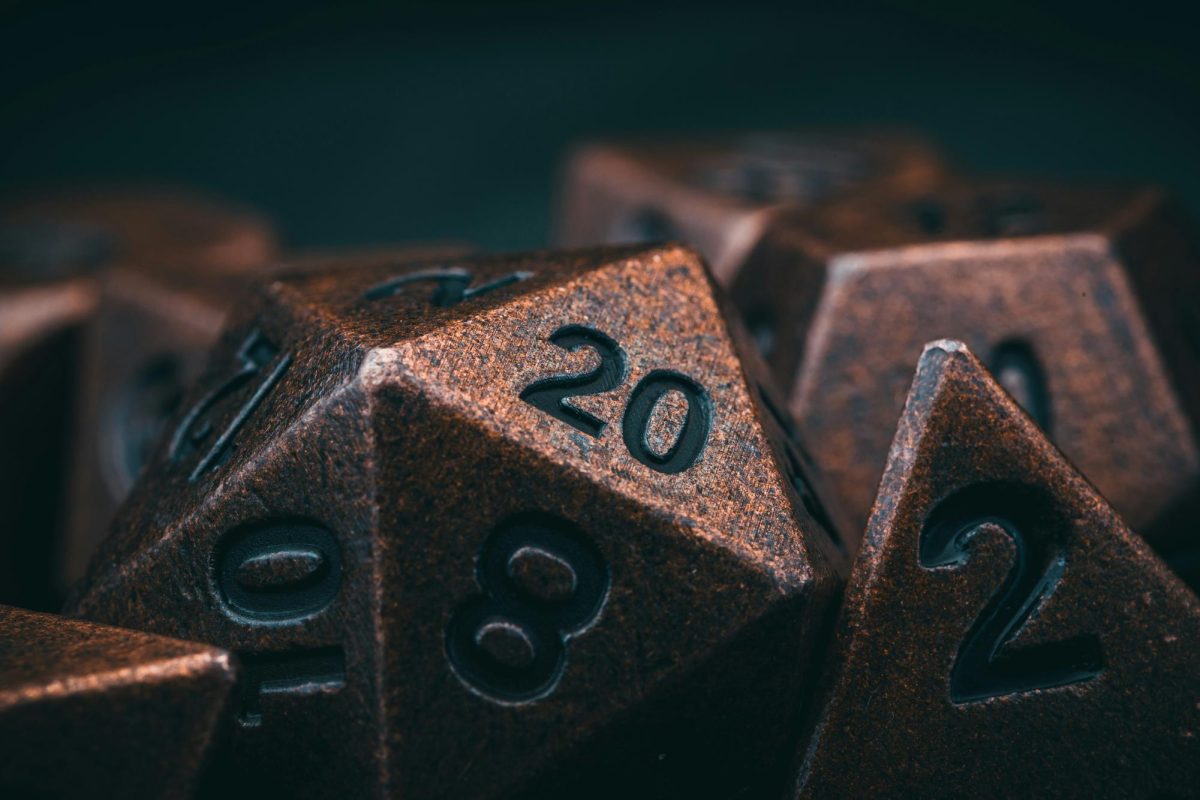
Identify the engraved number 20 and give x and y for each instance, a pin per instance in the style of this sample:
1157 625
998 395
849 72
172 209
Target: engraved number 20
551 394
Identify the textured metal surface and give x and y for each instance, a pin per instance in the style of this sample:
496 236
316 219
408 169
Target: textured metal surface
143 346
720 195
53 250
1079 297
1004 633
92 711
445 581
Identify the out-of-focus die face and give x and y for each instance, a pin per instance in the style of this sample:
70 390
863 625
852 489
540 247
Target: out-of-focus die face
1058 290
486 526
720 195
146 343
54 250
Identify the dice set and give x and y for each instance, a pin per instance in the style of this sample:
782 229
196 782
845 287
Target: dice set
827 498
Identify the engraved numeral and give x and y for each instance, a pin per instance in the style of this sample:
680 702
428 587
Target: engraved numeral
453 285
550 395
280 573
258 359
690 440
988 665
543 584
301 672
1018 371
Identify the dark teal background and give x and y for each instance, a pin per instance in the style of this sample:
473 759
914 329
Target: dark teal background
365 126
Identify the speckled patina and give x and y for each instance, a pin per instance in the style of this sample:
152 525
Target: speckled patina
488 590
145 343
92 711
1004 633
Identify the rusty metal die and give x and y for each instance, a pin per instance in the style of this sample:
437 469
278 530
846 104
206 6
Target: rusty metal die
1004 634
53 248
1077 297
92 711
521 524
720 194
144 345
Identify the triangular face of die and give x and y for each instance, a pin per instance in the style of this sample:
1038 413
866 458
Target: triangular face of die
1005 634
602 427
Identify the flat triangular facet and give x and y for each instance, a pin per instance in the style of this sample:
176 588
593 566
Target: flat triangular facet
1004 634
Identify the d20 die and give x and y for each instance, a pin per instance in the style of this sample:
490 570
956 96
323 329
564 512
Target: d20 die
1004 633
143 346
1075 297
52 250
512 524
92 711
721 194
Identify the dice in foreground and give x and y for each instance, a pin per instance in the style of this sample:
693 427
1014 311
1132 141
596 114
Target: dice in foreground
487 526
1004 633
92 711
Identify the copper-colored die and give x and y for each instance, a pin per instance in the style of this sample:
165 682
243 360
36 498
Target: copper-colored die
1077 298
485 526
144 345
1004 633
53 248
721 194
92 711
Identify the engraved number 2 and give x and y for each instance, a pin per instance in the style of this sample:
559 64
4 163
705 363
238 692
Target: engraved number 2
987 664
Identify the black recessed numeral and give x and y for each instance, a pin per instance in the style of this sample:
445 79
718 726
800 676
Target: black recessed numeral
258 360
987 664
690 440
452 286
302 671
550 394
1018 371
278 572
543 583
